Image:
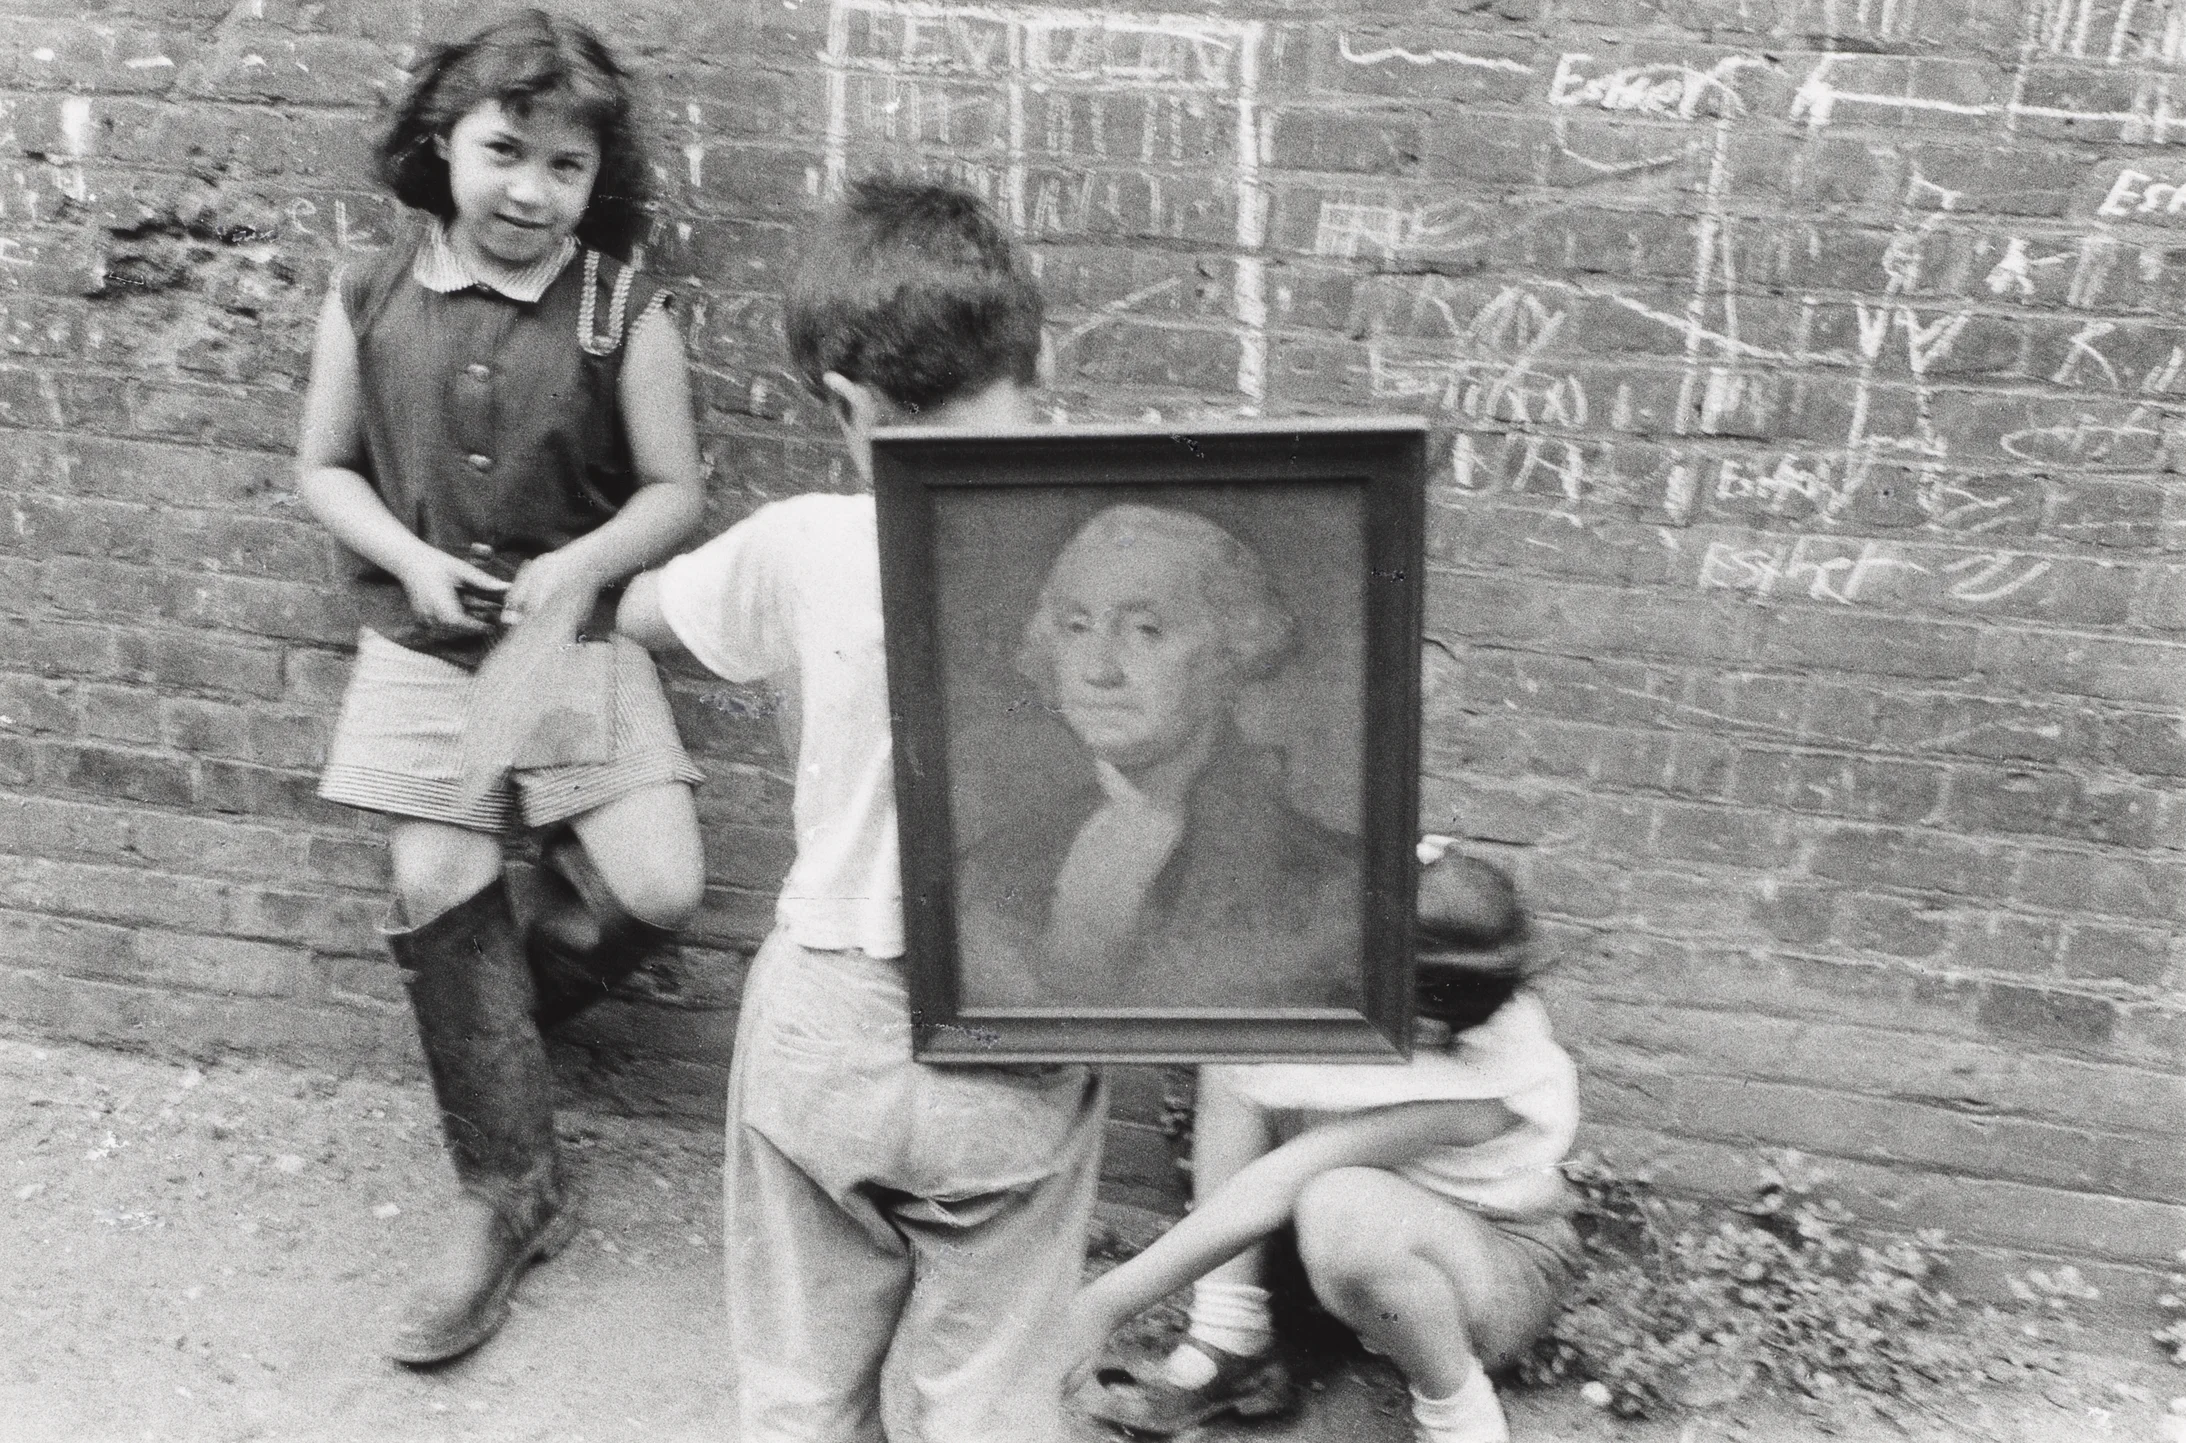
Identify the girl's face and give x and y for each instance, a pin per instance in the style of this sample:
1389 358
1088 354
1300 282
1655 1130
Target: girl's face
521 183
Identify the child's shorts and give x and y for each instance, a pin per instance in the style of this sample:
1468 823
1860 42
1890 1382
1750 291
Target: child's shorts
397 745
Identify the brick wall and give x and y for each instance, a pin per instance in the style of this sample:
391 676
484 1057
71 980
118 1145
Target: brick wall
1806 593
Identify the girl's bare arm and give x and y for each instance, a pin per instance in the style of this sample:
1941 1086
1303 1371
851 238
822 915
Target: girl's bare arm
1261 1197
655 391
327 459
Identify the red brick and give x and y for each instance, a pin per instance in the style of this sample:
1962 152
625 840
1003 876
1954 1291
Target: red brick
208 846
31 705
115 772
285 610
2102 884
2062 1020
1728 836
1893 926
2008 943
2099 951
118 714
189 662
2056 804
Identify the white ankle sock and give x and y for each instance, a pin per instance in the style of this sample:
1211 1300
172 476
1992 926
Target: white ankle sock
1473 1414
1231 1316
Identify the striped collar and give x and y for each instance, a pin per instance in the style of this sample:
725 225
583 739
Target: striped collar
439 268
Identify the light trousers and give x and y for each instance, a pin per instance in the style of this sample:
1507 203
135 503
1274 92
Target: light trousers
902 1238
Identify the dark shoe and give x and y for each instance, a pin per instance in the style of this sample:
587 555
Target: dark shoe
471 992
1250 1387
485 1249
580 941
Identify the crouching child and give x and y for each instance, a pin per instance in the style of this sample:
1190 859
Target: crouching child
1429 1208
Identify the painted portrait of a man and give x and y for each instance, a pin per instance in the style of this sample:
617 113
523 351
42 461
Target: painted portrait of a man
1174 870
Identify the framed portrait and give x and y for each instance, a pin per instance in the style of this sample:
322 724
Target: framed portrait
1156 713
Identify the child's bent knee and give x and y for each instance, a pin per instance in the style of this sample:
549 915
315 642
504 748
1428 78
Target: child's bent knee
1333 1217
434 868
1338 1202
663 899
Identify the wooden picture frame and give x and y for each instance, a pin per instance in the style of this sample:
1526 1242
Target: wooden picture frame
1156 698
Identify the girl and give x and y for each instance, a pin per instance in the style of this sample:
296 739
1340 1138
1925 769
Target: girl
1429 1210
499 427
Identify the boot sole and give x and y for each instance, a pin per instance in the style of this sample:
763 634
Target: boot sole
560 1230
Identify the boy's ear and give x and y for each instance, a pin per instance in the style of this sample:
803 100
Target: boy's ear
856 406
440 147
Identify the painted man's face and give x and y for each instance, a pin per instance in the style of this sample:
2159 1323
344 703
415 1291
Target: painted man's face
1139 666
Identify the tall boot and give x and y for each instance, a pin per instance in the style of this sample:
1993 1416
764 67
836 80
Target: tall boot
472 995
580 940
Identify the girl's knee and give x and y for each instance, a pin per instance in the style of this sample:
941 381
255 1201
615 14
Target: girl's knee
1338 1239
647 849
437 867
661 896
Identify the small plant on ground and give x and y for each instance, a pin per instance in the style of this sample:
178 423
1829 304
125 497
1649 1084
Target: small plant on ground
1684 1308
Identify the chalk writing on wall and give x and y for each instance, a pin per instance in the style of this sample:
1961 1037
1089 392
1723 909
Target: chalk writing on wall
1072 122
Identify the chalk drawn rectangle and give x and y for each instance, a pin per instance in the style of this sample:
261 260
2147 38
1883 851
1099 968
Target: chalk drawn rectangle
1156 721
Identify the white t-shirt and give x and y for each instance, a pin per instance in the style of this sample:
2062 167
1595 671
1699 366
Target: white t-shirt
1511 1058
791 595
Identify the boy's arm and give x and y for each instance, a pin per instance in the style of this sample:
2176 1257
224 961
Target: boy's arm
327 477
1260 1198
640 617
655 393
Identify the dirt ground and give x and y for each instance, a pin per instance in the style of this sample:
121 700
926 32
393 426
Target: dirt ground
216 1252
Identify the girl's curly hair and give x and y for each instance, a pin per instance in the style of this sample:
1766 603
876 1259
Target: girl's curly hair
529 58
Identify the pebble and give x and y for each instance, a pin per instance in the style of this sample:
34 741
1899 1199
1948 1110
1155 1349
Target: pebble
386 1210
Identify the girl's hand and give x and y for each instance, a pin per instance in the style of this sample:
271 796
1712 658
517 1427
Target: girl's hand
555 591
1084 1335
434 581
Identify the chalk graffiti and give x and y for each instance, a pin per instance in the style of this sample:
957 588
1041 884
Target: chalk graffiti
1491 369
1850 571
2112 31
2086 440
1988 581
1056 115
2136 192
1759 569
1667 88
1428 57
1348 229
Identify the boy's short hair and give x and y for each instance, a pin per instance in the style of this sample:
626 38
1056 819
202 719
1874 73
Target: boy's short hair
528 58
914 289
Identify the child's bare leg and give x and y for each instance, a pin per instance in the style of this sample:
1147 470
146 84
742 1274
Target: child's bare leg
437 865
612 897
1440 1291
1228 1133
647 849
1229 1305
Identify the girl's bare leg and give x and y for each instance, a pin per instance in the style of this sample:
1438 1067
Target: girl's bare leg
1435 1287
1228 1132
437 865
646 847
